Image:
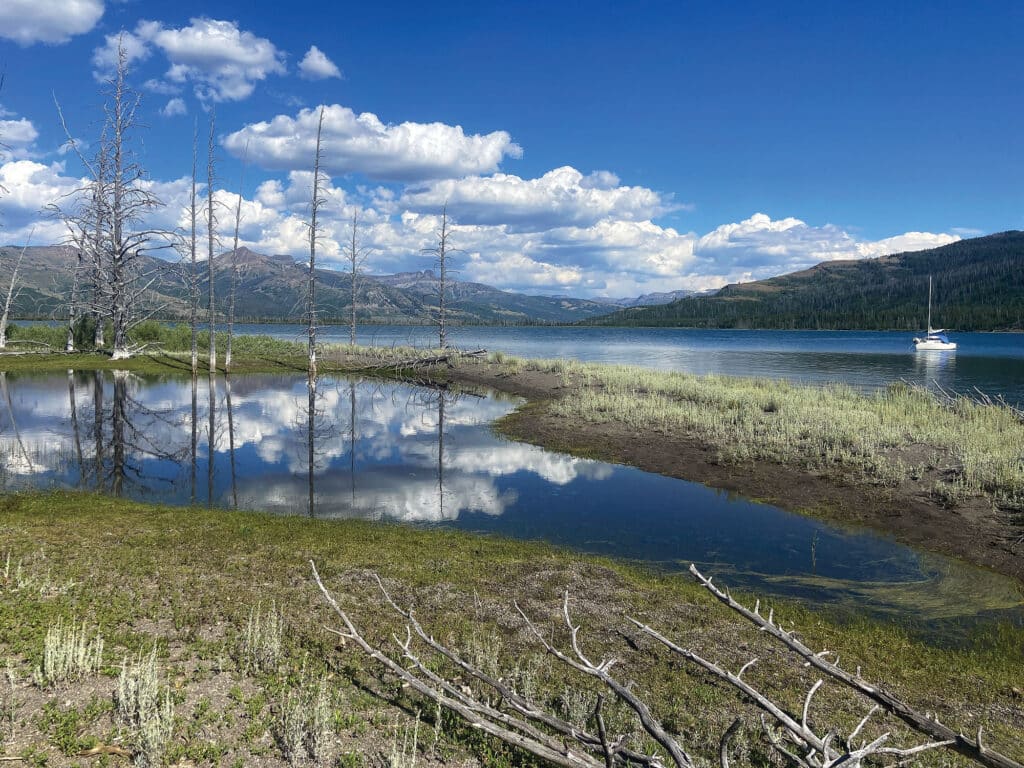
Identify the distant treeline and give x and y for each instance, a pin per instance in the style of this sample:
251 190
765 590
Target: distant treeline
978 284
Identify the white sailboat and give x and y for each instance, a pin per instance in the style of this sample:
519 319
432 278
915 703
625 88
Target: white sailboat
936 338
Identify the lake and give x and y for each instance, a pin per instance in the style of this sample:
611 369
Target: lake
990 362
388 451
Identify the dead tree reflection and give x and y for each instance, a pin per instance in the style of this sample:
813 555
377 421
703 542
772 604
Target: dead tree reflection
438 400
231 441
352 442
194 447
130 439
76 434
317 429
211 433
22 455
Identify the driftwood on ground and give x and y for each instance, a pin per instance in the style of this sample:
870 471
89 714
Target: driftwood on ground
530 725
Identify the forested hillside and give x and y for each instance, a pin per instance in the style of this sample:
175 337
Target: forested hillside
979 285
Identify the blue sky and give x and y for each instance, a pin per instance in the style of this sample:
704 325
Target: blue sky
584 148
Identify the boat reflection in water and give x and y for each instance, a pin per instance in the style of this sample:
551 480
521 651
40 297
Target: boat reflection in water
934 366
352 448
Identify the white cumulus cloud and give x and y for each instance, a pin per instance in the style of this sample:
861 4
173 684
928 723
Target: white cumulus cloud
219 60
316 66
362 143
601 241
175 106
17 138
761 247
47 21
135 46
31 188
561 197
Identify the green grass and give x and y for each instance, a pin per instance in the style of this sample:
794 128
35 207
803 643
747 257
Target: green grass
188 582
958 448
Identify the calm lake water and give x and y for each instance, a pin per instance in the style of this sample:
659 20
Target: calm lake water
990 362
386 451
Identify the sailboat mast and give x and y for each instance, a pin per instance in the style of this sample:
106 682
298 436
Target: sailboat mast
929 303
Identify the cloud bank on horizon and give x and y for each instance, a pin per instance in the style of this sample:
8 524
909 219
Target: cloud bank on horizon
566 231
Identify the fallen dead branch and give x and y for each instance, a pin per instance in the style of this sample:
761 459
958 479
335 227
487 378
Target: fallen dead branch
887 701
523 722
105 749
447 358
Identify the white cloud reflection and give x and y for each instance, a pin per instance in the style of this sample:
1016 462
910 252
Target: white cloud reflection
394 450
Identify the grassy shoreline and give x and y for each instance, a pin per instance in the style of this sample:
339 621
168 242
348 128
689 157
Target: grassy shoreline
188 583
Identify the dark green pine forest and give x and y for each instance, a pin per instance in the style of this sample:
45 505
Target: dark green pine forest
978 286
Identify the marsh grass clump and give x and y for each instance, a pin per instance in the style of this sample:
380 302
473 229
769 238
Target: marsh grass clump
263 640
404 744
15 577
8 702
69 653
303 721
145 709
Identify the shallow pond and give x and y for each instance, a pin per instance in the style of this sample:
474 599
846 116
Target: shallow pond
387 451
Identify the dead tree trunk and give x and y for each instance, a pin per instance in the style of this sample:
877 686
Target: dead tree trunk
69 345
193 275
356 257
315 204
441 252
11 295
234 276
210 226
492 705
108 220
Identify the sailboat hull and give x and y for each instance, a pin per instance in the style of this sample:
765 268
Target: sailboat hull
933 345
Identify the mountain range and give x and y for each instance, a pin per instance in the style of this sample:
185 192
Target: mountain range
274 288
979 285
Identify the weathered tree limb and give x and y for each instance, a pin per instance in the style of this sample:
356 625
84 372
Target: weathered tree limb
423 362
888 701
522 723
518 702
548 749
600 671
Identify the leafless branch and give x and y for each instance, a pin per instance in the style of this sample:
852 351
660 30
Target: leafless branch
522 722
889 702
474 712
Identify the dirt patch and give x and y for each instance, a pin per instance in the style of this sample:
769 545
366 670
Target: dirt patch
972 530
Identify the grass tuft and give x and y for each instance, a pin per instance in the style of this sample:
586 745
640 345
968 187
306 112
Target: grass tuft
68 654
264 637
144 709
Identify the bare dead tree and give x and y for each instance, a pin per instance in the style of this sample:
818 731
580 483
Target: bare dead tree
193 275
526 723
356 257
211 226
107 219
12 294
232 285
73 302
3 147
441 252
314 208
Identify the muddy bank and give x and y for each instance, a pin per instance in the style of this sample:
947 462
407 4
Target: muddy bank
973 530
